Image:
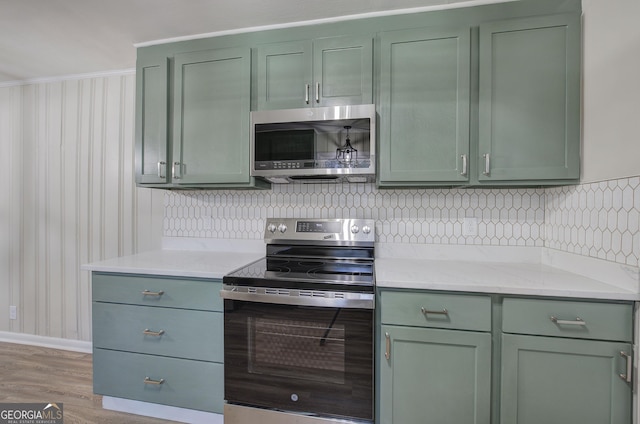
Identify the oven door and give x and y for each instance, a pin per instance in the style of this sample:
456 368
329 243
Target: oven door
314 360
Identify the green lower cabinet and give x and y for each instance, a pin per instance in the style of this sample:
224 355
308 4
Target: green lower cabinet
434 376
560 381
179 333
458 358
158 339
156 379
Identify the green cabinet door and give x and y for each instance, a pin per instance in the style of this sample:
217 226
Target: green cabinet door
529 104
284 75
324 72
559 381
424 106
211 117
343 71
151 122
434 376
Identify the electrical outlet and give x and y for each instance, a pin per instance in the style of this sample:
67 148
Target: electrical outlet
13 312
470 227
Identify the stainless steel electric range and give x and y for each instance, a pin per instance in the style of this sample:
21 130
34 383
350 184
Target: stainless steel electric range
298 326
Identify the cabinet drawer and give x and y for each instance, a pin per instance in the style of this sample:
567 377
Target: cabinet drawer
437 310
187 384
185 333
160 291
563 318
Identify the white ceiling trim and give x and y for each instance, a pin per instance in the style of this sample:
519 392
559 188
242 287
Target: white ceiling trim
469 3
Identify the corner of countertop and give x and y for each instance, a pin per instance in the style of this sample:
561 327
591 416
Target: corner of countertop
616 274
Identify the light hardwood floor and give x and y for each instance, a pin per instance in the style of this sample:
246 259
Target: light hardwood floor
38 374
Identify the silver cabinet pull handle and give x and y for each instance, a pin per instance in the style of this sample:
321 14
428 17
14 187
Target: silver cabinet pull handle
306 93
153 333
487 164
577 321
317 92
627 376
427 311
148 380
176 175
161 165
464 165
150 293
387 352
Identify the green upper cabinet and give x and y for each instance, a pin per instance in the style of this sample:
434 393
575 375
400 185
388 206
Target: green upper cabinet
192 119
284 75
211 117
475 96
529 99
322 72
424 106
343 70
494 104
151 117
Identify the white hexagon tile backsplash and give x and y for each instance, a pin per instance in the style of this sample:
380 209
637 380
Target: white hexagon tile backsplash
598 220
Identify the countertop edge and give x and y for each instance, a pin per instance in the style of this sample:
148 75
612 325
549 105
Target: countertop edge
176 263
613 295
158 272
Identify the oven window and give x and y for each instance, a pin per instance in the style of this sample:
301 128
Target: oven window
288 348
315 360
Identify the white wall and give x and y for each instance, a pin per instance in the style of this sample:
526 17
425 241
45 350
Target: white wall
68 198
611 94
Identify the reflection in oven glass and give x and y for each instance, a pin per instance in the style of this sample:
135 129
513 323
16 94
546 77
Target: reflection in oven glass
297 349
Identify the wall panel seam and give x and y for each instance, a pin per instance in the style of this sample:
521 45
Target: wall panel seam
63 211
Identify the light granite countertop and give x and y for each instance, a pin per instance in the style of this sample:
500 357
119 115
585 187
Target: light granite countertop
500 270
177 263
494 277
504 270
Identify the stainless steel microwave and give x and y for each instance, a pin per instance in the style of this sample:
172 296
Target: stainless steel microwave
325 144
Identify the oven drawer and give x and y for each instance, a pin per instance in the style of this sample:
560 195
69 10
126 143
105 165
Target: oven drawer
436 310
185 383
184 333
157 291
564 318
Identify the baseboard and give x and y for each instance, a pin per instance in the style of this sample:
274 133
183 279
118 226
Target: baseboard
161 411
42 341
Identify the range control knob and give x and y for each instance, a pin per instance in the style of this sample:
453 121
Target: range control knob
366 229
272 228
355 229
282 228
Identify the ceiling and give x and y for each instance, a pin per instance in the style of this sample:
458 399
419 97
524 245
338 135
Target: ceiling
51 38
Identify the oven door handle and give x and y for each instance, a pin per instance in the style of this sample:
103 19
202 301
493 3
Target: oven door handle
294 297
